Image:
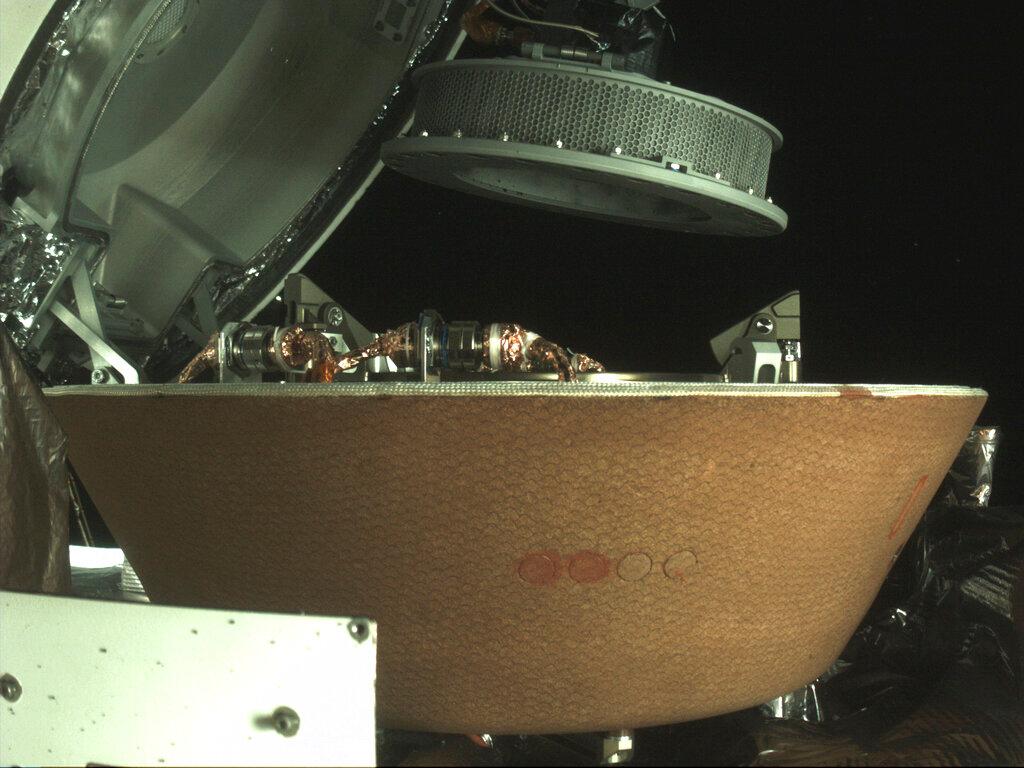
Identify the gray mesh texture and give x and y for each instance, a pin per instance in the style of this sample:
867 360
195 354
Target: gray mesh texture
591 112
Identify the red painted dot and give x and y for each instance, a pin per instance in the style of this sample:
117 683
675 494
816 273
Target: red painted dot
588 567
538 569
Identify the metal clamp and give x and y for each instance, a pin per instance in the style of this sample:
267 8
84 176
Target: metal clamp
764 348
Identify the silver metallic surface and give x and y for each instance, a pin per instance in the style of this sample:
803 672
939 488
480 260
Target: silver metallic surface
754 361
803 703
462 345
34 501
783 315
145 684
594 110
969 481
792 357
617 747
96 343
591 141
30 261
174 191
280 254
130 581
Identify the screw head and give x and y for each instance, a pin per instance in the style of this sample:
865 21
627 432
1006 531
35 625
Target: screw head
10 688
559 143
457 134
334 316
359 630
504 136
764 325
286 721
424 134
618 150
99 376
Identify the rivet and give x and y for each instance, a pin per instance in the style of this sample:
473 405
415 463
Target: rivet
10 688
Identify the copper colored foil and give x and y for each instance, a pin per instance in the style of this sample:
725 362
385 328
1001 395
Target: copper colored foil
208 358
513 343
486 31
545 355
303 348
396 343
523 350
518 350
583 364
33 484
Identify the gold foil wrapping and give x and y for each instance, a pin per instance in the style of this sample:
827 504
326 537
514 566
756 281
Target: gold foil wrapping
309 349
208 357
397 344
585 364
505 347
523 350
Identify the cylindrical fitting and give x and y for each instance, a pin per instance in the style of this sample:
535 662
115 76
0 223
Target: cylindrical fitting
790 372
250 347
461 345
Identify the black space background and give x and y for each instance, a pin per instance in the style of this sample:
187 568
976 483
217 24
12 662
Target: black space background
900 172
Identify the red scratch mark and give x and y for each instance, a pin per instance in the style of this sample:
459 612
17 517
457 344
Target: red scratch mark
907 506
855 392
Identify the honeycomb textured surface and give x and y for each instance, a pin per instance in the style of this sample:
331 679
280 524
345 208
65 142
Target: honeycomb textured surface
590 110
535 564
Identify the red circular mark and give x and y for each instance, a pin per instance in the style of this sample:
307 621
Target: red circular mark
588 567
538 569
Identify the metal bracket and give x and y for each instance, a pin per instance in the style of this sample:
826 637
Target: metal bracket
426 345
86 324
765 347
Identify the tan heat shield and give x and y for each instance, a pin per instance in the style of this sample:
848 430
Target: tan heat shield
540 556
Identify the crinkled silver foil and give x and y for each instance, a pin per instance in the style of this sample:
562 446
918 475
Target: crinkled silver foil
969 481
803 703
258 275
31 258
31 106
34 499
967 484
30 261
